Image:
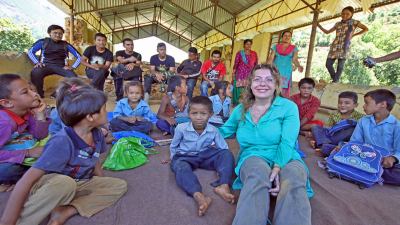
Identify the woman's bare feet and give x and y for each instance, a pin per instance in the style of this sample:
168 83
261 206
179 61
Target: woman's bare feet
225 192
6 187
203 202
61 214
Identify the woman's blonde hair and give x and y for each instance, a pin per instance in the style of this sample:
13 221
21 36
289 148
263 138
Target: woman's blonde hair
247 98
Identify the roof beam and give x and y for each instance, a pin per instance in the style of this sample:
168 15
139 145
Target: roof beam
213 7
95 7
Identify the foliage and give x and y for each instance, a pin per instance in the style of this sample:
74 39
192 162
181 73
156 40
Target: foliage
382 38
14 37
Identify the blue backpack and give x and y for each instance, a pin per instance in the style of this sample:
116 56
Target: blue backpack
341 125
357 162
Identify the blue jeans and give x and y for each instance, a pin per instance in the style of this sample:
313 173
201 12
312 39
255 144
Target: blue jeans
191 83
97 77
204 88
10 173
220 160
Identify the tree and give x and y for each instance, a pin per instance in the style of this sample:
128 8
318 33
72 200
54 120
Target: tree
14 37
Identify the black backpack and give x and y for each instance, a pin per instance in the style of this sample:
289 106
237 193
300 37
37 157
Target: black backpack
46 42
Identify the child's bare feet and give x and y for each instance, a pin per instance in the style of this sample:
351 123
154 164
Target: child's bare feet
165 161
61 214
165 133
203 202
225 192
6 187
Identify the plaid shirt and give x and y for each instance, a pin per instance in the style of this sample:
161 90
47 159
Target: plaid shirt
309 108
337 50
335 117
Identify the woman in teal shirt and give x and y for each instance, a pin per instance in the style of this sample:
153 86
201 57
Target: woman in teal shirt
267 127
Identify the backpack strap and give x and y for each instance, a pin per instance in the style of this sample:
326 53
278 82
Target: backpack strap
342 125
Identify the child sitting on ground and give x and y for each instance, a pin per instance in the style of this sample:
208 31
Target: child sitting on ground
68 179
381 128
198 144
22 119
347 103
308 106
133 113
56 123
174 106
221 102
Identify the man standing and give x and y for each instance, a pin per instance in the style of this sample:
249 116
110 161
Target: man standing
128 67
189 69
213 70
97 60
53 57
162 67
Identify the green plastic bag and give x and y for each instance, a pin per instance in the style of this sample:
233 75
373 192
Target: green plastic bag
127 153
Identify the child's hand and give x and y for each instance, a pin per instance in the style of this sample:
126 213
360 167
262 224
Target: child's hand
139 118
171 121
132 119
34 152
165 161
40 110
388 162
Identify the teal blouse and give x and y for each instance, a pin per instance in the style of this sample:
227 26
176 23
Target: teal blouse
273 138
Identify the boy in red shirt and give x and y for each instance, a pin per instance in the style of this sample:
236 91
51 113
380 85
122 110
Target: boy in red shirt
308 106
213 70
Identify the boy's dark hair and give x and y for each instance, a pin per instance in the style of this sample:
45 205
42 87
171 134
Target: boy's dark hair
133 84
193 50
78 103
201 100
383 95
247 40
54 27
221 85
160 45
100 35
307 80
216 52
174 81
126 39
5 81
349 94
349 8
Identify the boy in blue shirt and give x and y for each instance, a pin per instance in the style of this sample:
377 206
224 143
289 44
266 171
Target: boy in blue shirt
381 128
68 179
198 144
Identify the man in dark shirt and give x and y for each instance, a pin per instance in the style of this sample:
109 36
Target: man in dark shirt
128 67
53 57
189 69
97 60
162 67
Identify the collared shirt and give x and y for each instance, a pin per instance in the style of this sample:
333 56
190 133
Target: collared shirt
213 72
385 134
309 108
10 124
66 153
187 141
219 106
336 117
142 109
338 49
191 68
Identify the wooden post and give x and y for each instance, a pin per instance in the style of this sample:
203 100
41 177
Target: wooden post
71 25
312 39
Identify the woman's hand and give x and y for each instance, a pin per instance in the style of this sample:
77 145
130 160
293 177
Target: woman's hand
274 179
